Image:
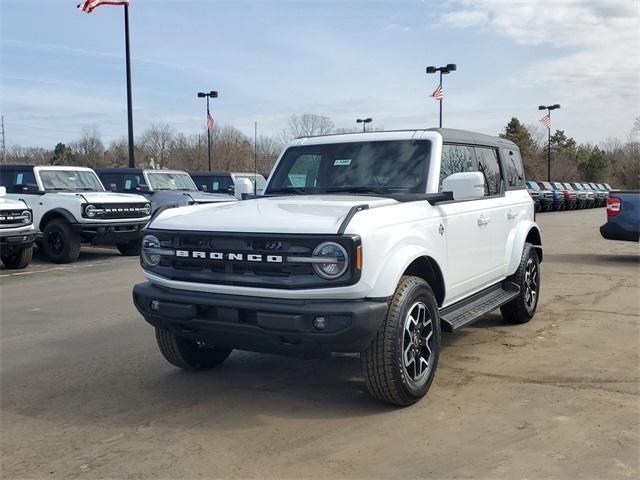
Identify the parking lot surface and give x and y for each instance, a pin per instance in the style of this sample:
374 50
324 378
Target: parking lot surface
86 394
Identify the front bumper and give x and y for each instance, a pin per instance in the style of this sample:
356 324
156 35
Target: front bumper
16 241
268 325
111 233
613 231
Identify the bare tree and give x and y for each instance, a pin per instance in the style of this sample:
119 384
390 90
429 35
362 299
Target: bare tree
231 149
117 155
156 142
308 124
88 150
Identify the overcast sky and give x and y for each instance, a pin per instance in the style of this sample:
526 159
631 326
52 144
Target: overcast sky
63 69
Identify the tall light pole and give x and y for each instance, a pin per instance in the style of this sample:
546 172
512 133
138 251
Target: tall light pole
448 68
208 95
548 125
364 122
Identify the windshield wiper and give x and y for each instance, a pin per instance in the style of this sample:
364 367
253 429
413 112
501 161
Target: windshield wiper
290 190
377 191
59 189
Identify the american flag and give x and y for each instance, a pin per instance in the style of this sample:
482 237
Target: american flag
546 121
90 5
210 121
438 94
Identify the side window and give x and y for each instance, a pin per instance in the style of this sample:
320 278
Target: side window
489 166
514 171
20 178
455 159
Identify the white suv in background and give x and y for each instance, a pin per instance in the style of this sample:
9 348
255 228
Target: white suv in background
70 206
16 232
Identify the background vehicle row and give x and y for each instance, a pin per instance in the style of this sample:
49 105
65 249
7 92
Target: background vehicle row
555 196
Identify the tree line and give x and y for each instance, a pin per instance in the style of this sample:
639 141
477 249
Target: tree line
614 161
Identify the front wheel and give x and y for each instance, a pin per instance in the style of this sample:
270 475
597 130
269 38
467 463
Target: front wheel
18 260
60 242
189 354
522 308
400 363
129 249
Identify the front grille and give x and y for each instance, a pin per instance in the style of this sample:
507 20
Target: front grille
13 218
243 272
113 211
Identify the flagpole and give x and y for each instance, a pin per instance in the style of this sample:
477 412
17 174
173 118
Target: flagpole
442 98
208 135
132 161
549 149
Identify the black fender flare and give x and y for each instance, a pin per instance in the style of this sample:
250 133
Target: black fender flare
56 213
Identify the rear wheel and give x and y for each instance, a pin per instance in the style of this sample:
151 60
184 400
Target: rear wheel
522 308
129 249
19 259
189 354
400 363
60 242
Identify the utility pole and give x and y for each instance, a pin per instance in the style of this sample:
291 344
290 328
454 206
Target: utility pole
4 146
547 123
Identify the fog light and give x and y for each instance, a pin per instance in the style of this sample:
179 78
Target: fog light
320 323
155 305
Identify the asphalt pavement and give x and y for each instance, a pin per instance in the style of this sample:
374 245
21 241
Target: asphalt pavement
84 392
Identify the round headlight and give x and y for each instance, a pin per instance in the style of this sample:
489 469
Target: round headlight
27 218
336 260
90 210
146 209
150 259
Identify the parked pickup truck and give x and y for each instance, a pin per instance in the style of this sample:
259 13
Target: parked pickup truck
234 183
623 216
16 232
368 242
71 206
163 188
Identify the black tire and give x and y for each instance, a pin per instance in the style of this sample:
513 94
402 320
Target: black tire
522 308
60 242
129 249
388 374
18 260
188 354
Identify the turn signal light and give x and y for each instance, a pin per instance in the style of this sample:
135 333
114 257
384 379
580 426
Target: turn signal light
613 206
359 257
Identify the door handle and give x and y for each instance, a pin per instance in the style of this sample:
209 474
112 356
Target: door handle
483 220
511 214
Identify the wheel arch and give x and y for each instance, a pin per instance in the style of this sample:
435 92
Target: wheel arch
428 269
56 213
526 232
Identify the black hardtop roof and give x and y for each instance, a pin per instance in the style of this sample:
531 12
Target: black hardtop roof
18 166
209 173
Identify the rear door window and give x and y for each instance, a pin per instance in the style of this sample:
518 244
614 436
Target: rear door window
514 171
489 166
456 159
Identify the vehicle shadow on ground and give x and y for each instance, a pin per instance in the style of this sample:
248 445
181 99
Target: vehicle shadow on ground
140 388
87 255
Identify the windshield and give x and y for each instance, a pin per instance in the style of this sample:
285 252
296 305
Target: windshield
70 180
394 166
577 186
170 181
533 185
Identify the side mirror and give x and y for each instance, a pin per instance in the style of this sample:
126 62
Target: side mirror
231 190
3 191
465 185
142 189
243 187
26 188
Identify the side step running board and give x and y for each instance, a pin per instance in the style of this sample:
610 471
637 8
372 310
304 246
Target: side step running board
467 311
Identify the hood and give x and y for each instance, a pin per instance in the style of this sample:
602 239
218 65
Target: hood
107 197
204 197
10 204
304 214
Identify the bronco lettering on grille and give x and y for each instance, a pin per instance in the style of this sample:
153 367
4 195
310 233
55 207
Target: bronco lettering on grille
237 257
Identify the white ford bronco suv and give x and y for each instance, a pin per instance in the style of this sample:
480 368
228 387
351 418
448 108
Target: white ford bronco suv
70 206
369 242
16 232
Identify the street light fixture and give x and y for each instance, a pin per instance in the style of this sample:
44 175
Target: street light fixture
448 68
549 108
364 122
208 95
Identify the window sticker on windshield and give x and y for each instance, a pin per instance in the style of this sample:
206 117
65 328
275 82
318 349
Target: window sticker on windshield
127 185
342 162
